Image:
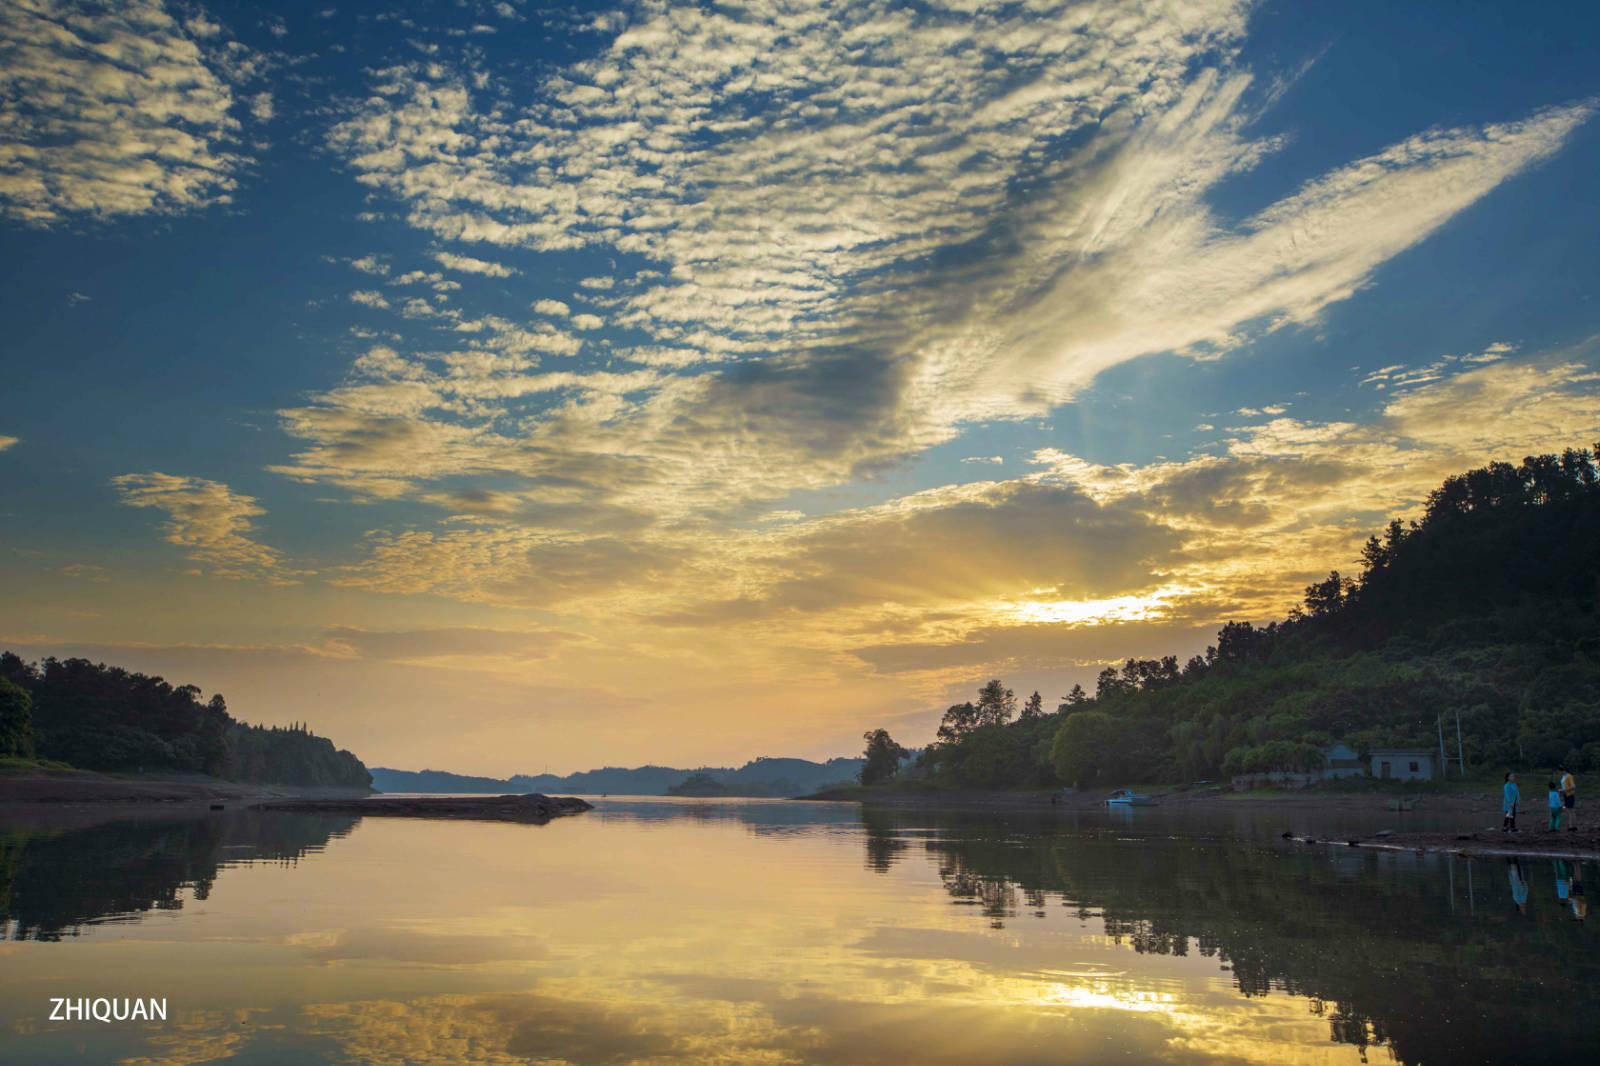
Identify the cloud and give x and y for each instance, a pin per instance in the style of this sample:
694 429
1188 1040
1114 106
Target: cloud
468 265
972 544
369 298
6 442
869 232
513 567
1077 563
113 109
454 643
210 521
552 307
1289 499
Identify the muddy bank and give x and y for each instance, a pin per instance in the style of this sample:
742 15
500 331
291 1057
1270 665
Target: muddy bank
533 807
1488 840
84 786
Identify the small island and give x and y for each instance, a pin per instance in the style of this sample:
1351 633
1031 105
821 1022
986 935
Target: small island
532 808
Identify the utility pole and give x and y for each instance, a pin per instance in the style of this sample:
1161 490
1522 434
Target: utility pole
1444 763
1461 759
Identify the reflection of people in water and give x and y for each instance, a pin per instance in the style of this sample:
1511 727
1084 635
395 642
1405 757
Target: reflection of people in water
1508 805
1563 882
1580 905
1519 885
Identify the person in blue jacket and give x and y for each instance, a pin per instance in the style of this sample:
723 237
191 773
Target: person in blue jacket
1508 805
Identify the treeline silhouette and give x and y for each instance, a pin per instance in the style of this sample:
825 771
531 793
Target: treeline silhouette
99 717
1484 607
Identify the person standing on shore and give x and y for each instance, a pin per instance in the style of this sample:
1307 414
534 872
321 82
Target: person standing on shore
1508 805
1555 806
1569 798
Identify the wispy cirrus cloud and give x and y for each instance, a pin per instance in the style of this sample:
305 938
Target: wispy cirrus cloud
211 522
115 109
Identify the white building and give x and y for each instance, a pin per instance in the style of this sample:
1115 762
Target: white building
1404 765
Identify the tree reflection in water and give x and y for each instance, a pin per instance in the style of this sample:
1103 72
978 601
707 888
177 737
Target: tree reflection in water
1429 955
54 882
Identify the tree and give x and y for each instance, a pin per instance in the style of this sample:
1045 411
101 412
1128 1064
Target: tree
1108 684
1326 597
16 720
959 720
996 704
1076 696
883 757
1082 746
1033 708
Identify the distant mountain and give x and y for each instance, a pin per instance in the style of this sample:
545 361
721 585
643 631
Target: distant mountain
386 780
760 777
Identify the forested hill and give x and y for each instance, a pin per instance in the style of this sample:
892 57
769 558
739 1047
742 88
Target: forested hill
99 717
759 777
1485 606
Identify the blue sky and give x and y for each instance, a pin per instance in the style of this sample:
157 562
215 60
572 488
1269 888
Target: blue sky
770 370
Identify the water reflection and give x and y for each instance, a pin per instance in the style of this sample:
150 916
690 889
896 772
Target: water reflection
1368 938
54 882
728 932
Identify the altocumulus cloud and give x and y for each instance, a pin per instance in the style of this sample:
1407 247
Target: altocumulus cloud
210 521
799 174
115 109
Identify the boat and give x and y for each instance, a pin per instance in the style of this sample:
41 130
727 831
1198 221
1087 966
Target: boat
1123 798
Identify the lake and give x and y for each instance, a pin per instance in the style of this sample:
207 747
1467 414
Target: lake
772 932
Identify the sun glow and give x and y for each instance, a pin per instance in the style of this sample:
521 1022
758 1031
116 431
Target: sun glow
1136 608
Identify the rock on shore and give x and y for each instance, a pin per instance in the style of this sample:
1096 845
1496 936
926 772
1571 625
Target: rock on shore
532 807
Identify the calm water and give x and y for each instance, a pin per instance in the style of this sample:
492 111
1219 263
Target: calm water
768 932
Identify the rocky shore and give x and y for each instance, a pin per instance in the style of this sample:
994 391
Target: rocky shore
531 808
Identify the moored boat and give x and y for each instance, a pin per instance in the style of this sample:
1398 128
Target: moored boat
1123 798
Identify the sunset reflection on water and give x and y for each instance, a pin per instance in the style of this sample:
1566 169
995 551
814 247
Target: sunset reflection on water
743 932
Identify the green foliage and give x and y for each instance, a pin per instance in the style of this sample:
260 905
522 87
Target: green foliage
290 756
100 717
1085 743
16 720
1559 715
883 757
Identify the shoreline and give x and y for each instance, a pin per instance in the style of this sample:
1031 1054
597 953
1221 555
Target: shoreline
1375 802
84 797
1473 839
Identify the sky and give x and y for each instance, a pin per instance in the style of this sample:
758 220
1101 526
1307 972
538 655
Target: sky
501 387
